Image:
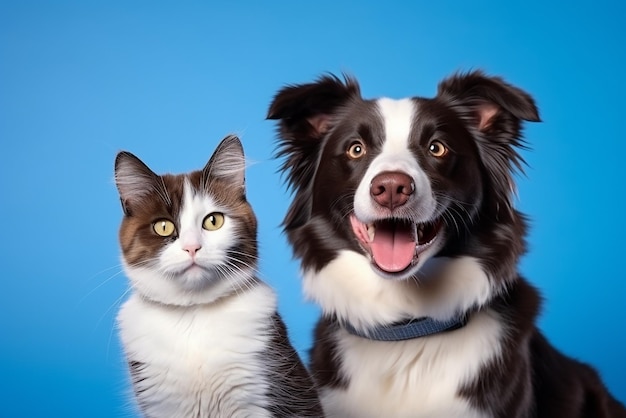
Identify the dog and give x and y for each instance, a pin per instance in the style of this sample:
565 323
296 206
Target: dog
404 222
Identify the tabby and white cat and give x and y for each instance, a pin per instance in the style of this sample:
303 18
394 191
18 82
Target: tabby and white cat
200 331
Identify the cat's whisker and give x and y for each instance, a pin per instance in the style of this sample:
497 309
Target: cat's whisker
233 279
238 285
105 270
115 304
248 279
234 261
104 282
247 255
164 193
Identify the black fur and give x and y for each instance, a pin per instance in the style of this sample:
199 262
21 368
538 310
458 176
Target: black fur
482 117
292 392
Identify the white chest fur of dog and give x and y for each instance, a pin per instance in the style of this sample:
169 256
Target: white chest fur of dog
397 379
210 351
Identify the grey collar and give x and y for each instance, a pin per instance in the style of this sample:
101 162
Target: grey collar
407 330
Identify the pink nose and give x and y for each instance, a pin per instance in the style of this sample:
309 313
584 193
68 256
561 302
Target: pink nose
391 189
192 249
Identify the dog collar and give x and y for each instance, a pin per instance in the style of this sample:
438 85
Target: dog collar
407 330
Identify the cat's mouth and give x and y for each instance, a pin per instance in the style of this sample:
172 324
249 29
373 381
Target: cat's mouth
395 245
194 267
194 274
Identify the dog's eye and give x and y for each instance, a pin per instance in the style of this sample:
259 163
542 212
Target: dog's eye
356 150
437 149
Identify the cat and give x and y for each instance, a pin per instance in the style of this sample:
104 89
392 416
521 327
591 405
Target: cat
201 332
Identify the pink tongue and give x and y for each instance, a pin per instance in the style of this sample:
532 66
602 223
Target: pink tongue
393 247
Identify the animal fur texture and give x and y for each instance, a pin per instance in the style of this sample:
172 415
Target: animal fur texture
200 331
404 209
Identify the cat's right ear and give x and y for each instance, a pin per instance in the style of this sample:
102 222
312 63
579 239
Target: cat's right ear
133 179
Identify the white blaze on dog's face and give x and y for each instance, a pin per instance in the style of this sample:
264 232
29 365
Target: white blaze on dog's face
388 227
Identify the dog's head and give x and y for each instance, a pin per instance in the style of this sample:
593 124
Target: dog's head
402 181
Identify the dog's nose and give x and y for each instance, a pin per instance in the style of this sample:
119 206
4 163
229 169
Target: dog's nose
391 189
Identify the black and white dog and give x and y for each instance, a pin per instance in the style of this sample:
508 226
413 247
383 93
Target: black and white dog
404 222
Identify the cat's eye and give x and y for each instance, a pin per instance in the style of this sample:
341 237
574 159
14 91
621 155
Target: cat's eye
164 228
437 149
213 221
356 150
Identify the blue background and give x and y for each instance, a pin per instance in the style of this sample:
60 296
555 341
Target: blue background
80 81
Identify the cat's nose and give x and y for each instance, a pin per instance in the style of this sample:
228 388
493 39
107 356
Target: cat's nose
192 249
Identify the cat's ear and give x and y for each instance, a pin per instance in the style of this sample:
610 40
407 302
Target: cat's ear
227 162
134 180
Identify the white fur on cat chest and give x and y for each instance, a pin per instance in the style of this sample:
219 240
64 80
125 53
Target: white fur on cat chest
208 350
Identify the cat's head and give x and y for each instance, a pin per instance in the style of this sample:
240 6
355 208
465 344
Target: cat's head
188 238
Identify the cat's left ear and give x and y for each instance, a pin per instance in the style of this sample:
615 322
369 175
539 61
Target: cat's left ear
227 162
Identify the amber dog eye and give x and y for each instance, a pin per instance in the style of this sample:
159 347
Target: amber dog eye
437 149
356 150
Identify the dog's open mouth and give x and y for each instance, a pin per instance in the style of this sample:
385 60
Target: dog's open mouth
395 244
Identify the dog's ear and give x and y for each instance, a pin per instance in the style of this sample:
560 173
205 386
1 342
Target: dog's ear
305 110
305 113
495 111
490 99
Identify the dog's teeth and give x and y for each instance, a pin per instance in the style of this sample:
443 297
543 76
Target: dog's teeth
371 231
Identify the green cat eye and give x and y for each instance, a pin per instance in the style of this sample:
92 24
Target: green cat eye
213 221
164 228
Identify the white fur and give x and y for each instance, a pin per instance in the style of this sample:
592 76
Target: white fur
395 156
349 288
204 360
397 116
174 279
414 378
200 336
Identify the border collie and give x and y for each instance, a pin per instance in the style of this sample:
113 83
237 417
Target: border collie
403 218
